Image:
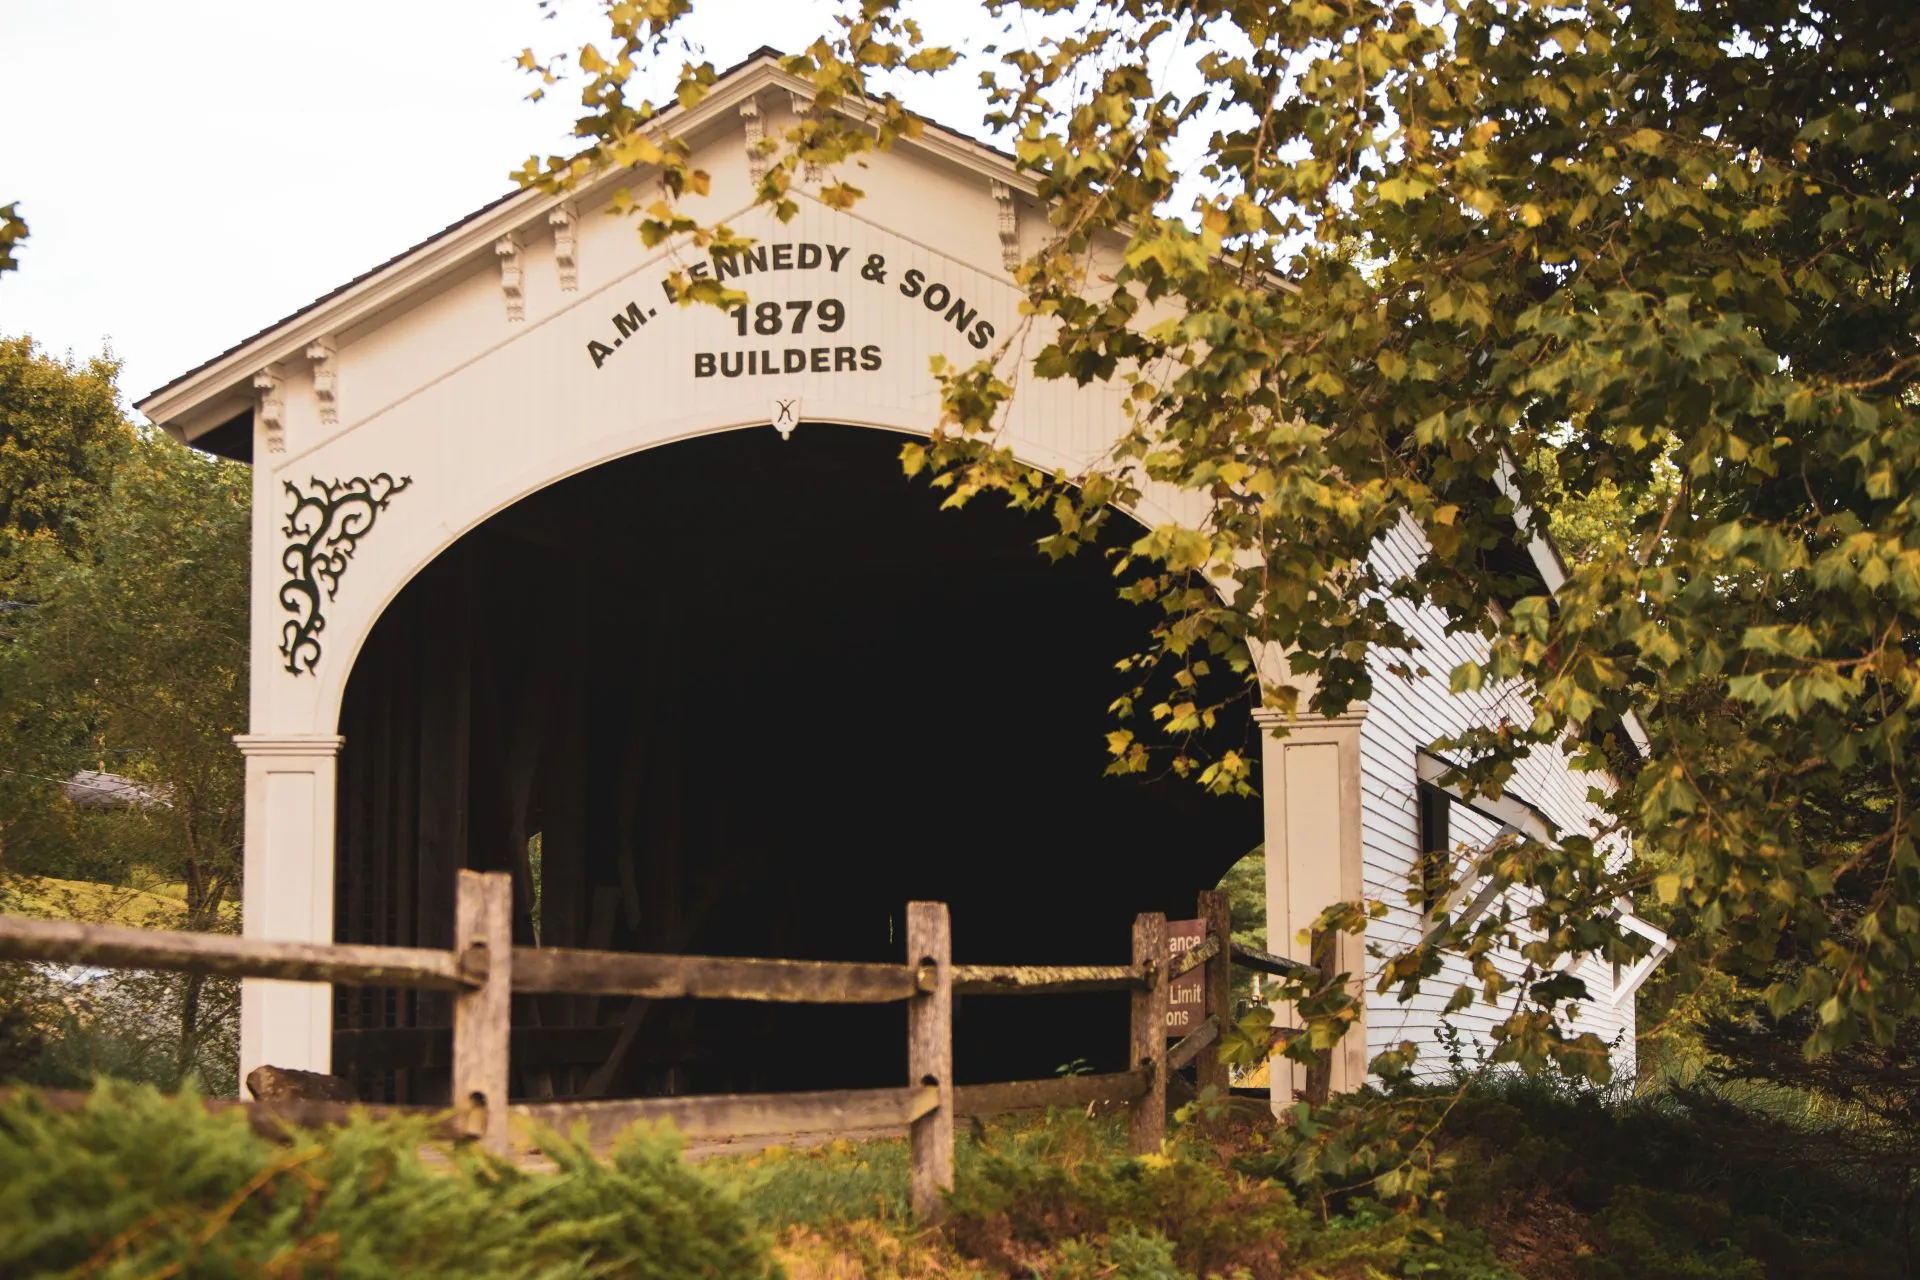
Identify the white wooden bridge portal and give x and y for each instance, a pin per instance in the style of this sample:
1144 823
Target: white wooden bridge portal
552 576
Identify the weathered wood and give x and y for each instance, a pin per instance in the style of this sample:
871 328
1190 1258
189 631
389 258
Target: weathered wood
285 1084
110 946
1209 1069
1115 1089
930 1057
1042 980
1188 1046
670 977
1192 958
483 919
1147 1117
1267 962
1326 955
738 1115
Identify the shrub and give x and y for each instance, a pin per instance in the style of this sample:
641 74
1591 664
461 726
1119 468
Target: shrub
1049 1204
1053 1196
136 1184
1684 1185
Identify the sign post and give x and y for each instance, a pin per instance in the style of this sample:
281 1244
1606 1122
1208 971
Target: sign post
1186 994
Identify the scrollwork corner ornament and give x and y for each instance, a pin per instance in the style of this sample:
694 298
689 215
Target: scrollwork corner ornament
324 526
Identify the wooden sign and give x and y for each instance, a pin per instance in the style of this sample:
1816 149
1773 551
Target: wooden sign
1186 994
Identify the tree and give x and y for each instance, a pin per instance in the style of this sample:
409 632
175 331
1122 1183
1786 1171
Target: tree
61 436
125 648
1430 246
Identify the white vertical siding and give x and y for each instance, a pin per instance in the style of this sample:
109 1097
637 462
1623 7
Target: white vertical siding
1407 715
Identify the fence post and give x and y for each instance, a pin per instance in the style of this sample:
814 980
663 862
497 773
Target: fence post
1147 1117
1323 947
483 942
1209 1069
930 1056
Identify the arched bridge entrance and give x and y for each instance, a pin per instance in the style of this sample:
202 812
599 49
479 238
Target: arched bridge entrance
742 695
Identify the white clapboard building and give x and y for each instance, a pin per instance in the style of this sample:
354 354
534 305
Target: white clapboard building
553 576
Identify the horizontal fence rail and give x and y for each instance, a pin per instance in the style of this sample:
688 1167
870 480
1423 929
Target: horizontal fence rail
108 946
671 977
1268 963
1045 980
1192 958
484 969
741 1115
541 969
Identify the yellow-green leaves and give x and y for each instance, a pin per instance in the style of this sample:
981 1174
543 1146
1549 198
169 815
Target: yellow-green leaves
1591 267
13 230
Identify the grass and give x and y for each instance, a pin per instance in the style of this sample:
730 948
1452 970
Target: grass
1532 1181
156 906
1055 1195
841 1181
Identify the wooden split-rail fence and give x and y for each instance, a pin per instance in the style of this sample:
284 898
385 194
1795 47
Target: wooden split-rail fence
484 969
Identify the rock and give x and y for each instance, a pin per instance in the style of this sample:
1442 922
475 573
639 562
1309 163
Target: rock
283 1084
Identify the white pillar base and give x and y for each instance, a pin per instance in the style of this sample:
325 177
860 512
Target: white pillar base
288 894
1310 785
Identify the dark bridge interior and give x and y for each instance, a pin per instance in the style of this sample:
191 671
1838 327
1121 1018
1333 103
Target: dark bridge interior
751 697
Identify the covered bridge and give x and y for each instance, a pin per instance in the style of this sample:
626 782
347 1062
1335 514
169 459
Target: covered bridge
553 576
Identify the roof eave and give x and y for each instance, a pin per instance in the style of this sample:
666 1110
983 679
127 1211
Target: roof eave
210 394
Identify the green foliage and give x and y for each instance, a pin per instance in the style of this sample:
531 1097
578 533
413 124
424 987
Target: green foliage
135 1184
123 647
840 1181
1054 1195
1025 1209
13 232
61 1030
1694 1183
61 437
1659 1236
133 656
1449 267
1508 1176
1245 885
1014 1213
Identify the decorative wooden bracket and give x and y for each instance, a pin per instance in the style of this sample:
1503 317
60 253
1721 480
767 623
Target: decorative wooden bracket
566 249
1009 225
507 249
326 381
810 172
272 410
323 529
756 136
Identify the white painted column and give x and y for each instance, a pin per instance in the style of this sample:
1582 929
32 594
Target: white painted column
1310 784
288 893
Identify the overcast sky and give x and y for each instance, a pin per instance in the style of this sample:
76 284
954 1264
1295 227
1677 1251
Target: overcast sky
193 170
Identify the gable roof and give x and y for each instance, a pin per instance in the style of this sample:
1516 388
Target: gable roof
211 404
